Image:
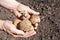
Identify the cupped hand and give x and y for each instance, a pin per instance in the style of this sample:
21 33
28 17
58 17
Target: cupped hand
23 9
17 7
11 29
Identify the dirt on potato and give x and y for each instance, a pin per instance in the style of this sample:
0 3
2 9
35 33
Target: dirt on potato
49 27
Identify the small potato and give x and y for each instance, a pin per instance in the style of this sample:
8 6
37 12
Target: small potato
16 21
26 25
34 19
26 15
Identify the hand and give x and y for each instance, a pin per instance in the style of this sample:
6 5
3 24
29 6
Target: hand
24 9
17 7
11 29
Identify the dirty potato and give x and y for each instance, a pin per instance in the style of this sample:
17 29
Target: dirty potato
16 21
26 25
34 19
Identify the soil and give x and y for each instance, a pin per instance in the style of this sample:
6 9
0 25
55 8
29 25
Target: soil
49 27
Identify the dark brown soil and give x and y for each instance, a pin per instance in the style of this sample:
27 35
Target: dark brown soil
49 27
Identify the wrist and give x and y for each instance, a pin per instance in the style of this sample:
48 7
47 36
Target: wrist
9 4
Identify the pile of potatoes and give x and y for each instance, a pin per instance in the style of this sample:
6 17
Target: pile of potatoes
26 22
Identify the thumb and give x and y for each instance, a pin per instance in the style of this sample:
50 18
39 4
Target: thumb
16 31
33 12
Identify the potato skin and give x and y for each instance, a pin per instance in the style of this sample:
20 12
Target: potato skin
34 19
26 25
16 21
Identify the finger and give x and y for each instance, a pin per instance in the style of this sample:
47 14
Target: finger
35 26
12 28
17 14
14 34
9 21
17 35
29 34
33 12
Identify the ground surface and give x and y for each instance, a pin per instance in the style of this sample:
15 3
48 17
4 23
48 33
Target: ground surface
49 27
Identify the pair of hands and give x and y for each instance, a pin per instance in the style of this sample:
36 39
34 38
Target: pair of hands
8 25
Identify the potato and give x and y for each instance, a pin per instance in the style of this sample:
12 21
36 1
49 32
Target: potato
34 19
16 21
26 25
